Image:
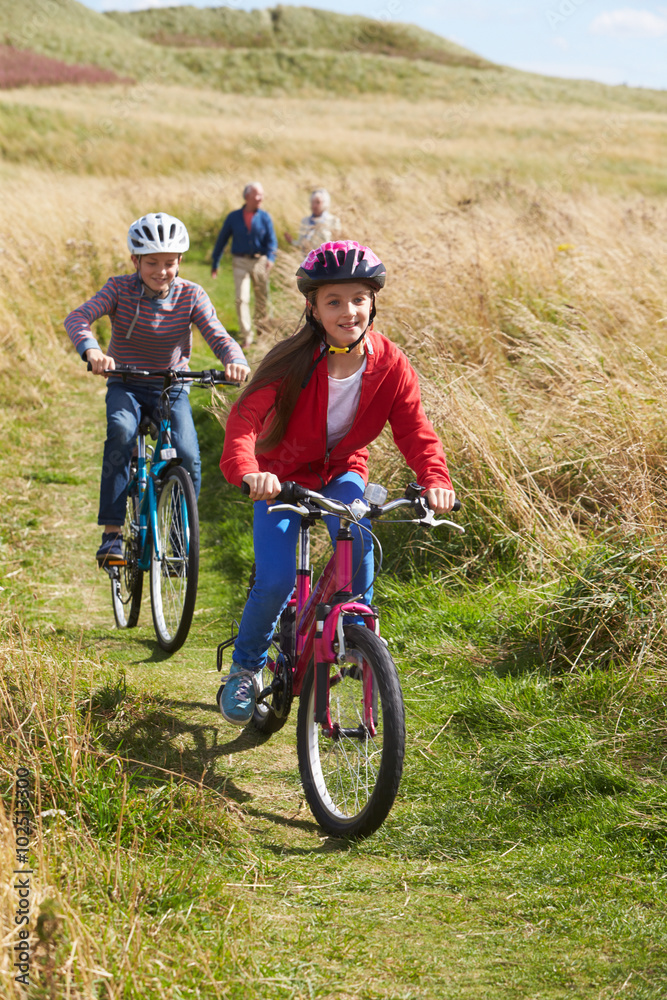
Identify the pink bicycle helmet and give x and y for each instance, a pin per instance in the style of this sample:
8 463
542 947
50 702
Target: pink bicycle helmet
342 260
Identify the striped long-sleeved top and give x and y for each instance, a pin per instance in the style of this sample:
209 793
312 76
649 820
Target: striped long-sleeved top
161 335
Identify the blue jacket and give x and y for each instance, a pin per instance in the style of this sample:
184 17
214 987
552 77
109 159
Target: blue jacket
261 238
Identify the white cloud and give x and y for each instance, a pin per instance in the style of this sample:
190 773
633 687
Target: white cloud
629 22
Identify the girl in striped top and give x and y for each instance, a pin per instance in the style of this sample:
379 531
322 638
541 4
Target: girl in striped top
152 312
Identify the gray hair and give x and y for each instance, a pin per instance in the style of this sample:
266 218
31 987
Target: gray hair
324 195
248 188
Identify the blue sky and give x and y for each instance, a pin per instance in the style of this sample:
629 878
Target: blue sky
588 39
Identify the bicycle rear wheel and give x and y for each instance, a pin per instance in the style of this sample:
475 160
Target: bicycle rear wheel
127 581
175 575
351 776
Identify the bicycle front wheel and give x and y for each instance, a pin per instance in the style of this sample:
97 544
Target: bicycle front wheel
127 581
175 574
351 771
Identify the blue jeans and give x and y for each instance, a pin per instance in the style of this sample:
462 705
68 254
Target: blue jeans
275 537
126 404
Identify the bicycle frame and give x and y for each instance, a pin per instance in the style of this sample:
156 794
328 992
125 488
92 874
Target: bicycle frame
319 615
319 620
164 455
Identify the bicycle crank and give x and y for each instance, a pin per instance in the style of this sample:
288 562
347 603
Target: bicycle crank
279 691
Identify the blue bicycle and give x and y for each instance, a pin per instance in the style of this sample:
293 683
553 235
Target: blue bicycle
161 530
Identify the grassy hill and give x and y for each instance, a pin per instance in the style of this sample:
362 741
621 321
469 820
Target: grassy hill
291 28
287 51
68 30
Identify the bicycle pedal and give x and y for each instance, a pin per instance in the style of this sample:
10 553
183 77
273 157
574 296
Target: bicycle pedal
109 564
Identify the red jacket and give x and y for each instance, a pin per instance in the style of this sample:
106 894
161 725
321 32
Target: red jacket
389 392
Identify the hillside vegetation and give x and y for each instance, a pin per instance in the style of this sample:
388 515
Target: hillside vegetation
291 28
524 229
68 30
287 51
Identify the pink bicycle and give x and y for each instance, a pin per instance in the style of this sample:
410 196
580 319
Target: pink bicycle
351 719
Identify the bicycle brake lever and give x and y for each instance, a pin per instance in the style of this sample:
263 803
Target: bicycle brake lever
297 508
431 522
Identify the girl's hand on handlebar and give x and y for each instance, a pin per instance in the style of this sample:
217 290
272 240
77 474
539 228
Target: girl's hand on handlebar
236 373
440 501
100 363
262 485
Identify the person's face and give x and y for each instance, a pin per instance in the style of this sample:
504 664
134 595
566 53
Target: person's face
317 204
254 198
157 270
344 311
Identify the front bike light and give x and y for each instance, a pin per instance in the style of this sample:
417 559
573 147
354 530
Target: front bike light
375 494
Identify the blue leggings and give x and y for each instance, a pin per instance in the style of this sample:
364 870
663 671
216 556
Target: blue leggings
275 538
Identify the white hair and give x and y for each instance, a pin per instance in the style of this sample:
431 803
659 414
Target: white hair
248 188
324 195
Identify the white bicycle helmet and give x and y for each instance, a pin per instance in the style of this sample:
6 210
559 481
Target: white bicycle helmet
157 233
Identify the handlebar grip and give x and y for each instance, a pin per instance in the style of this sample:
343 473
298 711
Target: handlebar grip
290 492
457 505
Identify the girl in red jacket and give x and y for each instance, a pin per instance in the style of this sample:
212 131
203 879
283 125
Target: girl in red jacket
316 402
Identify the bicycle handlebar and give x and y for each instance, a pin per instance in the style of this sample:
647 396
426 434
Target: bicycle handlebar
294 497
211 376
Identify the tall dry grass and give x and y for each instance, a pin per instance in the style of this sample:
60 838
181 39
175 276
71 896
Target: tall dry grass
533 313
530 298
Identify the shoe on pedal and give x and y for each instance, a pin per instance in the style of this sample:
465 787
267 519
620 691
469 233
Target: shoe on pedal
111 552
236 697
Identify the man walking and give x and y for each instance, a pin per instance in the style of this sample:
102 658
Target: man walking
254 247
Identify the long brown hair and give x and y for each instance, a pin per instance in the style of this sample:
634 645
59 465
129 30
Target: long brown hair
287 363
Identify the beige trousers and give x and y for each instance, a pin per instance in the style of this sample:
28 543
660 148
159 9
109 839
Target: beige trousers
247 270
